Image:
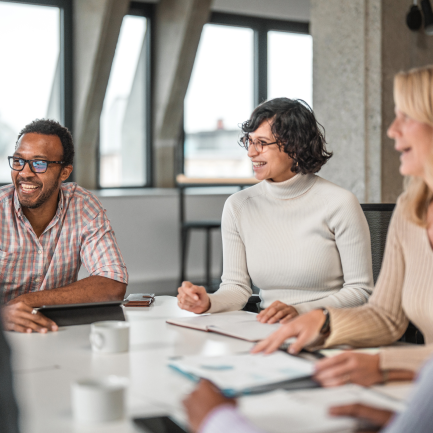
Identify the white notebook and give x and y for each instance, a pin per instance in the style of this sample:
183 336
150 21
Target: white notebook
244 373
237 324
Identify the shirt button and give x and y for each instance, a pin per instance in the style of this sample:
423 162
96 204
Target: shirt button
40 252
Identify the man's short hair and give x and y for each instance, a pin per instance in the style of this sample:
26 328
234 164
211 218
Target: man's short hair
51 127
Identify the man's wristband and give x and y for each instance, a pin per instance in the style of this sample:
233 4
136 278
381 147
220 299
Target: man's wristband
325 329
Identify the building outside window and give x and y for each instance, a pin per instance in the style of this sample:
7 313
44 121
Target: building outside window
239 63
32 84
124 123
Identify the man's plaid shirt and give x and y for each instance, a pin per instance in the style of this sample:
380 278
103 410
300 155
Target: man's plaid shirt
79 233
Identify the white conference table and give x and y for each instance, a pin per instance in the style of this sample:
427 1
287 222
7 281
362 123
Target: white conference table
45 365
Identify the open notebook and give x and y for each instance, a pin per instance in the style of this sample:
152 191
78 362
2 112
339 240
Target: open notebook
237 324
245 373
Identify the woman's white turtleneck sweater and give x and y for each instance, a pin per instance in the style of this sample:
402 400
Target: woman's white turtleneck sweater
304 242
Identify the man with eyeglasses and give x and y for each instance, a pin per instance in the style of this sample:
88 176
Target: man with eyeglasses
48 229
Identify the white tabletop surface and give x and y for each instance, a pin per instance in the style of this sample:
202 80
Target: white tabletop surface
45 365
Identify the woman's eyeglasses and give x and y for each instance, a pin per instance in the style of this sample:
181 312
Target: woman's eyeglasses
260 146
36 165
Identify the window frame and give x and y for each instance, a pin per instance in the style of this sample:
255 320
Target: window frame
66 56
261 27
146 10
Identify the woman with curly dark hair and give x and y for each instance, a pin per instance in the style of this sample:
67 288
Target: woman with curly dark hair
301 239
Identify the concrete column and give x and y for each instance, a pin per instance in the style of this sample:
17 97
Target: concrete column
359 46
178 25
96 30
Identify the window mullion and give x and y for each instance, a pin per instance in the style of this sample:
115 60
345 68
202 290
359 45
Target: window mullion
260 65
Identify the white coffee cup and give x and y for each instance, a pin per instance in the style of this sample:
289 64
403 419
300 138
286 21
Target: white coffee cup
111 336
99 400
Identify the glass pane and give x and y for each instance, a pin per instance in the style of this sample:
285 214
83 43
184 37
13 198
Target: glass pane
30 75
123 117
219 98
290 66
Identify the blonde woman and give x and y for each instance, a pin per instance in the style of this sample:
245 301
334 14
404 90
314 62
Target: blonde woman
404 290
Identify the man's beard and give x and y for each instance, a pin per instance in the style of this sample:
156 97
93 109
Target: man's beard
43 197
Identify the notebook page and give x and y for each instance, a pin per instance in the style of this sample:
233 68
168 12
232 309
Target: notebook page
238 324
218 319
250 330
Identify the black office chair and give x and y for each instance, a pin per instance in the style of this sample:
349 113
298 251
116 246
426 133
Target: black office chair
378 217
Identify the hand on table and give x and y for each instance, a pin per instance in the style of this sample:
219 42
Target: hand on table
277 312
305 327
377 417
18 317
349 367
202 401
193 298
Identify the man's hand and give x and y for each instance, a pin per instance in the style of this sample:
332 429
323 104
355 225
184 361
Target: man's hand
305 327
203 400
277 312
193 298
377 417
18 317
349 367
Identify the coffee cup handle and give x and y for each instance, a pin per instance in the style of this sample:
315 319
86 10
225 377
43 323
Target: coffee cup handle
97 340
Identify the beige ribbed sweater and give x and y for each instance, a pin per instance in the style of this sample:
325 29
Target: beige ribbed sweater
304 241
404 291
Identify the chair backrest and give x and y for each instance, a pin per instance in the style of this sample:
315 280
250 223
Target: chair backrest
378 216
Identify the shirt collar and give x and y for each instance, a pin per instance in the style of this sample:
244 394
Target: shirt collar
291 188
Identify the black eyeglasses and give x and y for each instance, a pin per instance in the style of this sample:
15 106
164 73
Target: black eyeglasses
260 146
36 165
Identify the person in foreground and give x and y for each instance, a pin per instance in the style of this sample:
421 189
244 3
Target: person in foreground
404 288
8 405
210 412
48 228
301 239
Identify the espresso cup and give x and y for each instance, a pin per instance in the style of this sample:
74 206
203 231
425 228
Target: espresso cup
110 336
99 400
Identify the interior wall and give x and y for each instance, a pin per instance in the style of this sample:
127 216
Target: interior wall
146 226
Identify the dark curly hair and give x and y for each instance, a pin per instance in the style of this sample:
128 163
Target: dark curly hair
296 131
51 127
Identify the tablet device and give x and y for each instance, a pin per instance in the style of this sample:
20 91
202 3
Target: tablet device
83 314
159 424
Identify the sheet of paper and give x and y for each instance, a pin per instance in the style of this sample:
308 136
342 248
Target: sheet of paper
243 372
396 390
279 412
238 324
306 411
250 330
205 320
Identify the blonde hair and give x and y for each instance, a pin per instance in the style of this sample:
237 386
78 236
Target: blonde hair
413 95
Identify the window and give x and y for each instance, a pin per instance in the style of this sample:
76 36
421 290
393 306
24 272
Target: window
240 62
124 125
34 45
